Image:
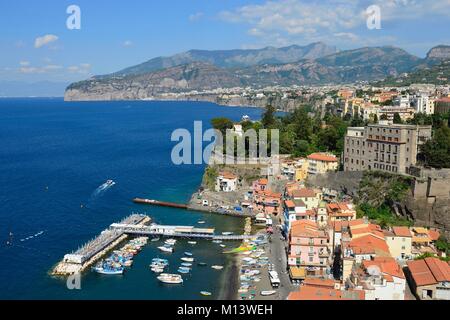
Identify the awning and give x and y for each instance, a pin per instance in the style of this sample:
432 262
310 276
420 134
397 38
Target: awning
297 273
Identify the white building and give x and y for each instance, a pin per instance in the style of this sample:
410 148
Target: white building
226 182
424 104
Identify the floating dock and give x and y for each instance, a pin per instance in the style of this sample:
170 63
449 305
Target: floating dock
79 260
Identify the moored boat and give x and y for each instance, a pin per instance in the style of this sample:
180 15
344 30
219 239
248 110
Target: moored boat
187 259
188 254
166 249
170 278
205 293
217 267
268 293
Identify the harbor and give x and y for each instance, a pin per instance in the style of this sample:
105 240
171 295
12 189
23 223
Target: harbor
135 225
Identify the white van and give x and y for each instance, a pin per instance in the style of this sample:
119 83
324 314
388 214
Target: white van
274 279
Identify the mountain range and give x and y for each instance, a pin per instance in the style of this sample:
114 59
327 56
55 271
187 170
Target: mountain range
313 64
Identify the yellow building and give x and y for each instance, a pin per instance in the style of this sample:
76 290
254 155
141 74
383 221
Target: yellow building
399 241
319 163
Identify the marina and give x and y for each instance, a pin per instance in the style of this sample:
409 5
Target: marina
135 225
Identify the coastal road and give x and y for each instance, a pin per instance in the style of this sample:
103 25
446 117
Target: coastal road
277 254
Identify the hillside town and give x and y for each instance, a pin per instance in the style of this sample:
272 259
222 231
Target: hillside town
331 248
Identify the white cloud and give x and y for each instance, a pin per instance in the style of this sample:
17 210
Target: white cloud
24 63
196 16
318 20
82 68
28 69
45 40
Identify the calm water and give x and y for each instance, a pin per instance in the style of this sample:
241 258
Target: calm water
54 155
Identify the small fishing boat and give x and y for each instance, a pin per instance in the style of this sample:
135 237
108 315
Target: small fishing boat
170 278
268 293
201 222
184 270
217 267
155 239
202 264
217 241
170 242
223 245
192 242
166 249
186 264
186 259
164 262
227 233
205 293
157 269
188 254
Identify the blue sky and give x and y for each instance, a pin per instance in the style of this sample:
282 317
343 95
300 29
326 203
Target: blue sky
118 34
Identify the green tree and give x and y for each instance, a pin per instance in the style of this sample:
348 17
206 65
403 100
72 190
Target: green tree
384 117
268 119
222 124
397 118
436 152
375 118
303 124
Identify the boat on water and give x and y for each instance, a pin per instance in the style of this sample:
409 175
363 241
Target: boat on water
217 267
201 222
170 242
170 278
205 293
186 264
164 262
202 264
192 242
188 254
184 270
227 233
217 241
187 259
223 245
268 293
108 268
166 249
157 269
155 239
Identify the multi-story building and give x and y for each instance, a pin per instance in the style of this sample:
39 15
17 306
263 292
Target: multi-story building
424 104
309 248
442 105
385 147
319 163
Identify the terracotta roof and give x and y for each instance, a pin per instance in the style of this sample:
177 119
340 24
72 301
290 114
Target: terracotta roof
318 282
269 193
369 244
228 175
322 157
263 181
387 265
307 292
434 234
402 232
444 99
304 193
307 228
290 204
429 271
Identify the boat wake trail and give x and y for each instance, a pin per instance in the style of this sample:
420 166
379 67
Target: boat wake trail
103 188
40 233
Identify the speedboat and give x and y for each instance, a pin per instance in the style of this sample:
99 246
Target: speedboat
157 269
223 245
186 259
170 278
109 183
166 249
186 264
217 267
202 264
201 222
205 293
189 254
227 233
268 293
155 240
192 242
217 241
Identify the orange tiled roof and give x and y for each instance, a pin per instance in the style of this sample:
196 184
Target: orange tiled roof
304 193
307 228
429 271
434 234
369 244
307 292
290 204
318 282
263 181
387 265
322 157
402 232
228 175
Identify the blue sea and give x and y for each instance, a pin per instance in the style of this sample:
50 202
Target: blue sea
54 155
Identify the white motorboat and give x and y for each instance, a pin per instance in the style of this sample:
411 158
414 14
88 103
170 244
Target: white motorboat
170 278
170 242
217 267
166 249
268 293
187 259
192 242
